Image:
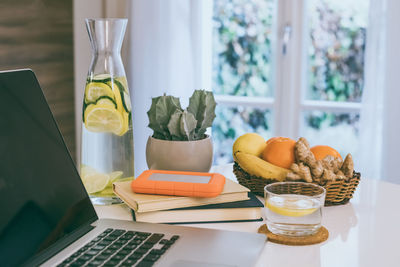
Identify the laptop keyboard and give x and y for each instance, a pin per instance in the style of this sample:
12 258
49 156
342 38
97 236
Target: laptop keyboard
116 247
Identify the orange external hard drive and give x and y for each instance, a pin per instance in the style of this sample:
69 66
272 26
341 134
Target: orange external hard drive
179 183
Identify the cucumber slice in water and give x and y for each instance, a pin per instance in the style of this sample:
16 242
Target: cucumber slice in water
106 100
102 78
95 90
126 101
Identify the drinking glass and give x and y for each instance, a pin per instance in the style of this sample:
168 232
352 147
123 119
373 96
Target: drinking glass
294 208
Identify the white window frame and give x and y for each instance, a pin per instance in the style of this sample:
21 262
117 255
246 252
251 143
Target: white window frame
290 75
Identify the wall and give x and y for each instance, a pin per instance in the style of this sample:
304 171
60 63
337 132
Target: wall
38 35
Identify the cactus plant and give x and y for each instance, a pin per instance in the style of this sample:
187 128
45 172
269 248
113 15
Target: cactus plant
170 122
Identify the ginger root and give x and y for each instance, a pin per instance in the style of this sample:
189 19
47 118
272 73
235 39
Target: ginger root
348 166
309 169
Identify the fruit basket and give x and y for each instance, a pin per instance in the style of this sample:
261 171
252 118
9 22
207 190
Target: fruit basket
258 163
338 192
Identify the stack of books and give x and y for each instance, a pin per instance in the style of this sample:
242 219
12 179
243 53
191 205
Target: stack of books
235 204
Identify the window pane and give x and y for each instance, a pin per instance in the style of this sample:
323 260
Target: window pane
337 30
232 122
339 131
242 47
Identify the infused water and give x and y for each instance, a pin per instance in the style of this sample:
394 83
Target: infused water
292 214
107 137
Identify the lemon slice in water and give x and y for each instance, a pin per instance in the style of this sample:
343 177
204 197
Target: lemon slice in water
95 182
103 118
291 207
95 90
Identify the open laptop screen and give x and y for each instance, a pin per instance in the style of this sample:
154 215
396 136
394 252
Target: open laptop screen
41 196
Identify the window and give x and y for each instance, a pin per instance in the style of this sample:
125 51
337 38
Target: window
288 68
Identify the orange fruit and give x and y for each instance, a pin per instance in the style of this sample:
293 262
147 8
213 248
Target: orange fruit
280 151
320 152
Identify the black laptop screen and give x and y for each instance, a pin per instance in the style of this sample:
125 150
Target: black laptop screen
41 196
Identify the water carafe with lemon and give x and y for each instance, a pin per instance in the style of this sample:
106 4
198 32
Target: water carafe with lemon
107 137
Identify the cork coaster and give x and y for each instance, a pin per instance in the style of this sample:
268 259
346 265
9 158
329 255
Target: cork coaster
316 238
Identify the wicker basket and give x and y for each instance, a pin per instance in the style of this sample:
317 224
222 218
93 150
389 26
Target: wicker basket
337 192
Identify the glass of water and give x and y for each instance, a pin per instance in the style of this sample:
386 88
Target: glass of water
294 208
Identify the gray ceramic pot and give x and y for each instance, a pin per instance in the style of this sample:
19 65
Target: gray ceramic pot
179 155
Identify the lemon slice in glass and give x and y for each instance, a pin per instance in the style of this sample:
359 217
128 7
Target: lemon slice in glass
117 94
95 182
95 90
103 118
125 127
114 176
290 208
87 170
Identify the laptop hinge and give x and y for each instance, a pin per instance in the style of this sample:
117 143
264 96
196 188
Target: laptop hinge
59 245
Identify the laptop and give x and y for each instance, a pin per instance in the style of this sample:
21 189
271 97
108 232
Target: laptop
48 219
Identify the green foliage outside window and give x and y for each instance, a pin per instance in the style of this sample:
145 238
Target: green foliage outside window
242 63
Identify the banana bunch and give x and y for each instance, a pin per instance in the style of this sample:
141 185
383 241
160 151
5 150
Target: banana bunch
247 151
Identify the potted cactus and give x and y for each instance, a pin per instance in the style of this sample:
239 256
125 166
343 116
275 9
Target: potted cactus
179 140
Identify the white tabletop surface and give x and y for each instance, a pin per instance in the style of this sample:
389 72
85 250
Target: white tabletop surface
364 232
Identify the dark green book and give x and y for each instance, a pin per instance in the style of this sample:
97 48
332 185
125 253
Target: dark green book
238 211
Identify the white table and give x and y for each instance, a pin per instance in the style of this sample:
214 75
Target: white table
364 232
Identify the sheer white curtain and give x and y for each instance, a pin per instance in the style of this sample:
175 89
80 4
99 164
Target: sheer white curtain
164 57
380 114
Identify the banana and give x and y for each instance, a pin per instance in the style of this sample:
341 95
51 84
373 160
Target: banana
259 167
251 143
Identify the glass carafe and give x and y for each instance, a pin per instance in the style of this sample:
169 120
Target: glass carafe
107 139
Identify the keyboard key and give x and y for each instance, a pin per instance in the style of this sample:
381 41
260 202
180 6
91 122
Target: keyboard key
127 236
163 241
135 256
157 251
98 247
110 238
111 263
140 237
79 262
102 257
147 245
129 262
145 264
143 233
96 239
175 237
130 246
117 257
114 247
151 257
124 252
95 263
92 252
84 258
120 242
136 242
117 233
141 250
104 243
108 251
91 243
108 230
154 238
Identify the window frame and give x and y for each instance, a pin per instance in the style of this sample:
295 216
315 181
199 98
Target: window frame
289 75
